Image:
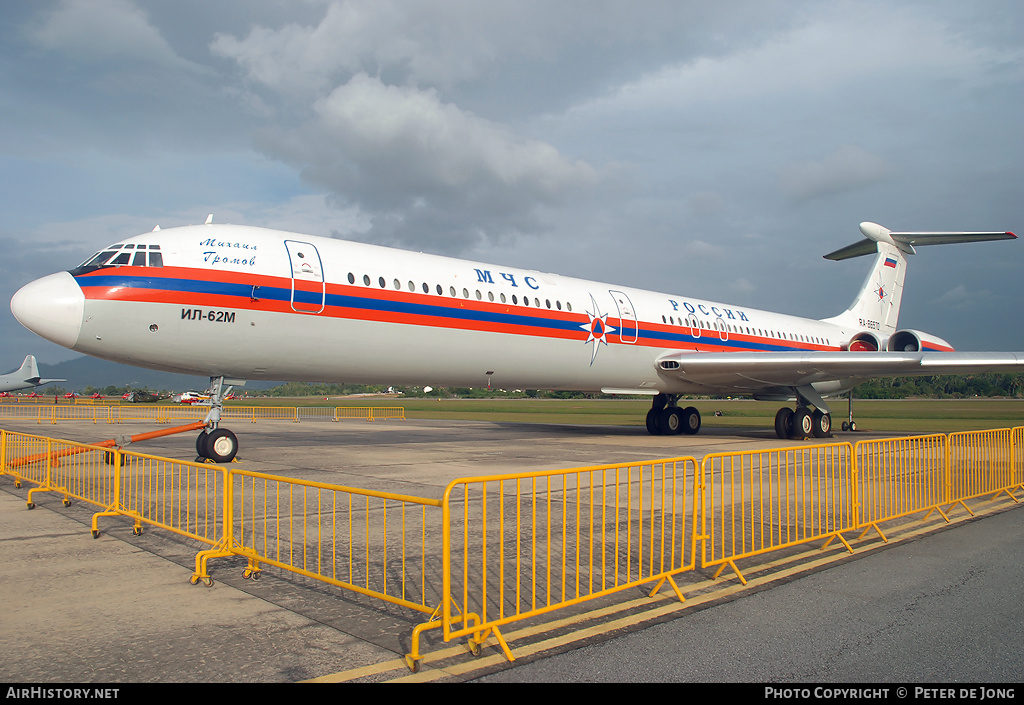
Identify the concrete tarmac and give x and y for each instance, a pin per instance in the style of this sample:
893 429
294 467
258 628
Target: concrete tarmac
120 609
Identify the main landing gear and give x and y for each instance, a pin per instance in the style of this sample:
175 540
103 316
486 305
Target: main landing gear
665 418
217 444
802 423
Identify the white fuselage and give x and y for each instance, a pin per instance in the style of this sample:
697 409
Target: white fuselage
251 303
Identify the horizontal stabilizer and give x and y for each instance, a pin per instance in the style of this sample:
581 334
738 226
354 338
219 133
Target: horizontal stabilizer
907 242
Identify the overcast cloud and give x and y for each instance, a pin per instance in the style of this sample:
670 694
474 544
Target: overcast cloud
708 149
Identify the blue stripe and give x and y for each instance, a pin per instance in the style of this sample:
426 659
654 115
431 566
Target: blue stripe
370 304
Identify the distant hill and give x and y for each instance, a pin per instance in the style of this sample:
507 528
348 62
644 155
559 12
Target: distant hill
87 371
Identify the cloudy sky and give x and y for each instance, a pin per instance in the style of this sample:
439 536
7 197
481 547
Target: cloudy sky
705 149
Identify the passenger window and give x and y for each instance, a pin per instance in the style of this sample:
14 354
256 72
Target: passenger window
351 278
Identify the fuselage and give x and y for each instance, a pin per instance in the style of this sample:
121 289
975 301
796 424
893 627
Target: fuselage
252 303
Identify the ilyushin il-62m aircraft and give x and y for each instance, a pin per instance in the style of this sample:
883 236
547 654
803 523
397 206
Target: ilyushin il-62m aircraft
242 303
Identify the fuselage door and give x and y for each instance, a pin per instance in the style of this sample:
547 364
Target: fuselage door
628 329
308 287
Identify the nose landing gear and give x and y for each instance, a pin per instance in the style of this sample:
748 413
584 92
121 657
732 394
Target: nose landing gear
217 444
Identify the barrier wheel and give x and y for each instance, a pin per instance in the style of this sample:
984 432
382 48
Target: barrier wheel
475 648
30 505
414 665
207 581
193 580
66 502
96 534
137 530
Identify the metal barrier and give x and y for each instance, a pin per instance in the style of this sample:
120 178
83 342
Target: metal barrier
120 413
980 463
519 546
754 502
898 477
379 544
369 413
505 548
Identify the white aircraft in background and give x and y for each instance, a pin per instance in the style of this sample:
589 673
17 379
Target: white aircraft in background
237 303
25 377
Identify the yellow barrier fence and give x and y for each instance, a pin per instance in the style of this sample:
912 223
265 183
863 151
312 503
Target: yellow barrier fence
759 501
373 543
369 413
505 548
900 476
519 546
106 413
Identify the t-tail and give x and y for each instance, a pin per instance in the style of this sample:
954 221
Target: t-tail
877 305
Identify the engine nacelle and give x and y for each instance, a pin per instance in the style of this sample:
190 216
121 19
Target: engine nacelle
864 342
916 341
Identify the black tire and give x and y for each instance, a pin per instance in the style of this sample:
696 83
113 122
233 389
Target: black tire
201 444
846 425
221 445
853 425
691 420
802 424
822 424
670 421
784 422
652 422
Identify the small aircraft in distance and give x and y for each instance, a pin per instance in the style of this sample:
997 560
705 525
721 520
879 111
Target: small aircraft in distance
142 396
190 398
235 303
25 377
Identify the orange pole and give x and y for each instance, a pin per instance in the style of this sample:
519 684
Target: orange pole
18 462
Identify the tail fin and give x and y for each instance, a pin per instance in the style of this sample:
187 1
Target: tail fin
878 302
28 369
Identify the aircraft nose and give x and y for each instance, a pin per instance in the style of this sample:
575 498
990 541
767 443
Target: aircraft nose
51 307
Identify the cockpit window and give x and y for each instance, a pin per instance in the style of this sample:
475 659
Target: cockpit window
122 254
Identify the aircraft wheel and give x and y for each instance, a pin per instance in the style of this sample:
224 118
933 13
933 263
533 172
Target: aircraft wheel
670 421
652 422
846 425
221 445
822 424
691 420
803 423
783 422
853 425
201 444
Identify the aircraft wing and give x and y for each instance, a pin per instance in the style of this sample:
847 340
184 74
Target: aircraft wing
752 371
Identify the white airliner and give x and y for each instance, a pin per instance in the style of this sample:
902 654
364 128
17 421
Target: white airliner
25 377
235 302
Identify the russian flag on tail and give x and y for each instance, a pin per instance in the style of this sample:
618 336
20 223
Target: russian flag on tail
890 262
